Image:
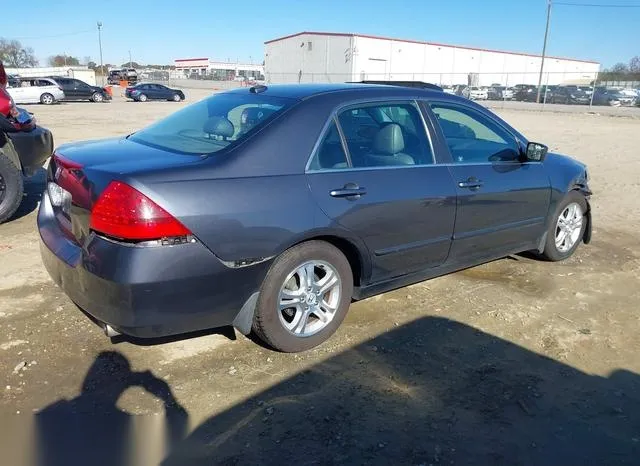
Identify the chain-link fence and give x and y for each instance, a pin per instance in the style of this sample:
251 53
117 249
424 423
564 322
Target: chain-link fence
527 88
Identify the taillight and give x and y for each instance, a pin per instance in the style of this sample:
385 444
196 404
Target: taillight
68 175
125 213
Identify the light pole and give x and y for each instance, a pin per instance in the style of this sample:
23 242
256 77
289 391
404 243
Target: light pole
100 45
544 50
130 59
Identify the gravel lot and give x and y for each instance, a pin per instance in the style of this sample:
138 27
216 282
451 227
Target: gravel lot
513 362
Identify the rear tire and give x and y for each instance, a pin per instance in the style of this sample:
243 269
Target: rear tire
142 98
316 310
47 99
564 236
11 188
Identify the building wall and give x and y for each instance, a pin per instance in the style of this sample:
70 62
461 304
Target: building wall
292 60
400 60
340 58
81 73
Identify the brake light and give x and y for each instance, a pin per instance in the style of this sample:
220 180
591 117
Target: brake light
68 175
123 212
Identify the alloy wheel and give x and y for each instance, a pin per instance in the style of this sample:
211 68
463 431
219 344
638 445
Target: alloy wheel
569 227
309 298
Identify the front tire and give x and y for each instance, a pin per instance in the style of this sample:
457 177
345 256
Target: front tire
47 99
176 98
567 228
97 97
11 188
304 297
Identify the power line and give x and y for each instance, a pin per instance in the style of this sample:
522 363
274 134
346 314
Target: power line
597 5
65 34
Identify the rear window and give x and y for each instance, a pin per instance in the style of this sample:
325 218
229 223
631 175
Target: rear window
212 124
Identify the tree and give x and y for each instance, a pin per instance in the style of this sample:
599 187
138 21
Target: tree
634 64
619 68
92 65
63 60
14 55
132 64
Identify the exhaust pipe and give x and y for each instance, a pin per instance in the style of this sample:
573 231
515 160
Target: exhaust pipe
110 331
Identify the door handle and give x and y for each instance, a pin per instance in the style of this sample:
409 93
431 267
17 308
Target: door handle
470 183
349 191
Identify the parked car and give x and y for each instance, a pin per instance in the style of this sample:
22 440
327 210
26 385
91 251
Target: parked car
499 93
478 93
568 95
529 93
24 148
271 208
604 96
36 90
124 74
74 89
149 91
626 97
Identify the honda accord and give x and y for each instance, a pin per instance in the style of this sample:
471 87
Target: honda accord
271 208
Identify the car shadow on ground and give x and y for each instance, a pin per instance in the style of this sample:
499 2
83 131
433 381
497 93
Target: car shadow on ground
433 391
34 186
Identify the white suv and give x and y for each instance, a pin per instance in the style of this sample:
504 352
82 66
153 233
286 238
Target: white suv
35 90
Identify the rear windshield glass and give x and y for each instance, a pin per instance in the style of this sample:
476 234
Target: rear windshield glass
212 124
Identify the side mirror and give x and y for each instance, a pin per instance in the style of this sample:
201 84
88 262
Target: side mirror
536 152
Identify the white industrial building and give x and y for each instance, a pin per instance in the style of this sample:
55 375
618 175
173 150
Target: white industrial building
79 72
204 67
336 57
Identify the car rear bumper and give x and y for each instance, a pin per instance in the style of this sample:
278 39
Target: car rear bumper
145 291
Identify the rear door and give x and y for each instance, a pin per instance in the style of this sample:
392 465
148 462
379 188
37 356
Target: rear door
502 202
68 87
373 173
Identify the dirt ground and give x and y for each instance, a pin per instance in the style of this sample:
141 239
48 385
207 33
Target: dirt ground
513 362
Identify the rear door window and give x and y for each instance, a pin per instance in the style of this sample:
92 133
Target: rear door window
385 134
213 124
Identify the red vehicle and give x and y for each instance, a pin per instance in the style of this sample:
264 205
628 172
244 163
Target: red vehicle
24 147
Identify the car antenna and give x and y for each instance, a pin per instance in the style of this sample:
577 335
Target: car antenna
257 89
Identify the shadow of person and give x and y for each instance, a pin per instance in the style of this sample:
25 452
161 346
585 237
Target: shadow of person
91 430
433 391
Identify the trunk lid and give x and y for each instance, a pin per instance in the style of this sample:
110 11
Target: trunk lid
79 172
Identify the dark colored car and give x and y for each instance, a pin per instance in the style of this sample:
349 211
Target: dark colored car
568 95
272 208
75 89
149 91
604 96
416 84
529 93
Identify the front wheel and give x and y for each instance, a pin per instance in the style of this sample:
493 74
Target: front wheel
97 97
304 297
47 99
176 98
11 188
567 228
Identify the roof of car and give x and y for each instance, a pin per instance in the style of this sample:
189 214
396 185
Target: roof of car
303 91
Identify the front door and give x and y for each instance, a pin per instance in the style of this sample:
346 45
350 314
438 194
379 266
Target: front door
385 187
502 202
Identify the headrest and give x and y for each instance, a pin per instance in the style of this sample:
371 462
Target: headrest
219 126
389 140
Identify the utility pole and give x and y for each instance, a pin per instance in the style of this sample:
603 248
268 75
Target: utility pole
130 61
544 49
100 45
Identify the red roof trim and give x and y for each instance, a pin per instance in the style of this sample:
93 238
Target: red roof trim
190 59
341 34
